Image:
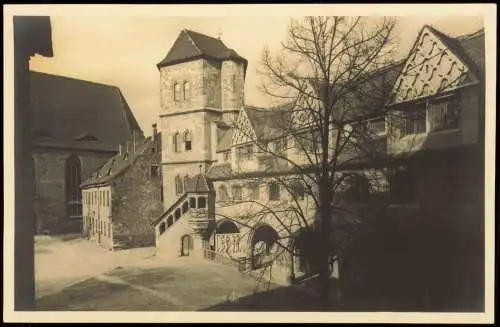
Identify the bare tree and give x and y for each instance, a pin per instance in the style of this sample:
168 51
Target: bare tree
324 145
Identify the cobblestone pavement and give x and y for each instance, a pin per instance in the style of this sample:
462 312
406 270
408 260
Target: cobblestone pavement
76 275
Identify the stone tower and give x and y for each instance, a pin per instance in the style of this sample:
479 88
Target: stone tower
201 83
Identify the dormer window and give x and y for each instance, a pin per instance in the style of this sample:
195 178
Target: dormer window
87 137
125 156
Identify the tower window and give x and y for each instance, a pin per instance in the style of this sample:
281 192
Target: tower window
179 189
188 138
177 142
177 91
185 182
187 90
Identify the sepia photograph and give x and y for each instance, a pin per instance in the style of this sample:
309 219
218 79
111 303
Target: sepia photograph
284 163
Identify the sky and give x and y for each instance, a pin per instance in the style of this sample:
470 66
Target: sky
123 50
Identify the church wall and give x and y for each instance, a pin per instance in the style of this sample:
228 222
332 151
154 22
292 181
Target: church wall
50 187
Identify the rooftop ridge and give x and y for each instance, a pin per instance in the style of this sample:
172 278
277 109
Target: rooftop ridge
74 79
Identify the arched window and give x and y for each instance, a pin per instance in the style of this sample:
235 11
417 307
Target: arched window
236 192
176 140
223 196
73 181
187 90
188 138
177 91
179 189
162 228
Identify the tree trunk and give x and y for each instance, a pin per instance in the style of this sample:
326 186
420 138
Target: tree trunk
325 228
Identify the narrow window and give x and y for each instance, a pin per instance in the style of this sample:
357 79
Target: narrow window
177 91
176 140
298 191
73 181
202 202
178 185
188 138
254 192
223 196
236 192
274 191
186 90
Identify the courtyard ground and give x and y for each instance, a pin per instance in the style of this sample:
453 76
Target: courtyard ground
74 274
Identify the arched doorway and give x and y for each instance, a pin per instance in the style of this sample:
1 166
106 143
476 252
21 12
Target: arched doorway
227 238
263 240
186 245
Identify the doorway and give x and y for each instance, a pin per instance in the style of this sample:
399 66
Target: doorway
186 245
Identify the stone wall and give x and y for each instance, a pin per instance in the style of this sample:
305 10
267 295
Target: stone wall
232 84
136 202
50 201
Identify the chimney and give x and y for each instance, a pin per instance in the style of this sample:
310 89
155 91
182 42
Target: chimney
120 149
155 132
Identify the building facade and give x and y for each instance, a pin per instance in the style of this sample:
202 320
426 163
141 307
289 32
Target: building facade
77 126
431 129
123 196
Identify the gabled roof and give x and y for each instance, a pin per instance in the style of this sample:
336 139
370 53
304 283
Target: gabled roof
225 140
469 48
269 123
118 164
79 114
191 45
465 52
197 184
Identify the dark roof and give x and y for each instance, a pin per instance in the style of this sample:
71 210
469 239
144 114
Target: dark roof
269 123
118 164
469 48
191 45
197 184
225 140
369 96
220 171
78 114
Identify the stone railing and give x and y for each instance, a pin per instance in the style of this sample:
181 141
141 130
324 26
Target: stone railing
240 263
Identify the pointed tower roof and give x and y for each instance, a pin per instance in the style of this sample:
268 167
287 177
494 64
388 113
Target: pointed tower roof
191 45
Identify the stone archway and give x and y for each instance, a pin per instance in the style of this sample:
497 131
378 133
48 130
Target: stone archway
226 238
262 241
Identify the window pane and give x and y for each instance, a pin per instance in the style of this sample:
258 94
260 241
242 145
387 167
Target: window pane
274 192
236 192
